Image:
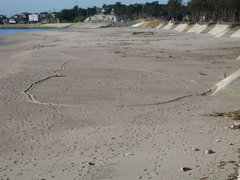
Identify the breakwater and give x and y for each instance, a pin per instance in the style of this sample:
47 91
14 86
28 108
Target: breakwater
214 29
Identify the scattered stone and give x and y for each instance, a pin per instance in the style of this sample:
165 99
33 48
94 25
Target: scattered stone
235 174
234 125
230 161
235 115
184 169
91 163
203 178
203 74
128 154
100 18
209 151
230 144
221 164
218 140
195 149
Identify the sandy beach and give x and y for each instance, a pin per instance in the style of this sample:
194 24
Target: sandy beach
116 103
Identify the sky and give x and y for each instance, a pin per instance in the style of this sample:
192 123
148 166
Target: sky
11 7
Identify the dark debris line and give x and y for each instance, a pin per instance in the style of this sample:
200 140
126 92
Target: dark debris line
172 100
27 91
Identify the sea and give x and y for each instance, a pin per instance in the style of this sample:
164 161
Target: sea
11 31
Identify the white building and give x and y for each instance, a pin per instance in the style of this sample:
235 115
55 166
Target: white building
12 21
33 17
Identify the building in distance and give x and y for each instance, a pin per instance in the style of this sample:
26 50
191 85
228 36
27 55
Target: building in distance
34 17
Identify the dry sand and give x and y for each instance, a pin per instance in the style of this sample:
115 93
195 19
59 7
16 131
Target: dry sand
56 25
128 102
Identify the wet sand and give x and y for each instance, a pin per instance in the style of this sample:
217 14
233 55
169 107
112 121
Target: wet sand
53 25
36 26
129 101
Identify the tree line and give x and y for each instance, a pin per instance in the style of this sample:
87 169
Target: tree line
194 10
136 11
75 14
214 10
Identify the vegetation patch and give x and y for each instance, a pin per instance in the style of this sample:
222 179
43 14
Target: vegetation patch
143 33
150 24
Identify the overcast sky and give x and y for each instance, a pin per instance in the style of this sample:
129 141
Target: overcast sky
11 7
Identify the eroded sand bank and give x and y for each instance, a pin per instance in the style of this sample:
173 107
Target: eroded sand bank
128 102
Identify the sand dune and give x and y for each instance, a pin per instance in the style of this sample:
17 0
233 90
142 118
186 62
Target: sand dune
149 24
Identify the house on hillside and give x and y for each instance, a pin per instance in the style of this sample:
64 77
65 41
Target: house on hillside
98 10
12 21
106 10
122 18
24 15
53 15
3 19
44 14
34 17
23 18
18 18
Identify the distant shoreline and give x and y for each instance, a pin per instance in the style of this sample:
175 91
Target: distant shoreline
36 26
55 25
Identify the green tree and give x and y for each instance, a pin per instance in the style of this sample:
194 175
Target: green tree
175 9
214 10
91 11
119 9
